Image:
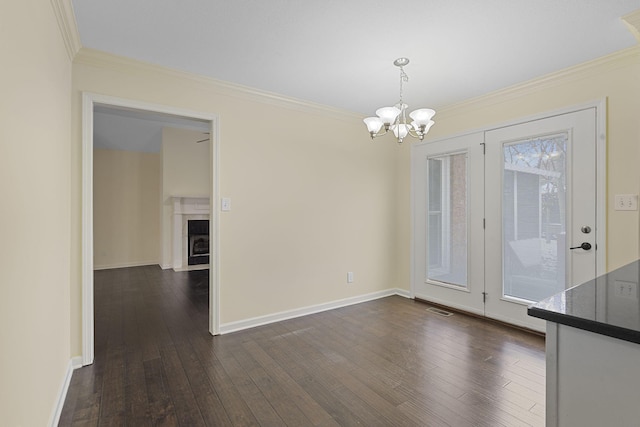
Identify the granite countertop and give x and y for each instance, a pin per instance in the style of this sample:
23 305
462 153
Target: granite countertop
608 305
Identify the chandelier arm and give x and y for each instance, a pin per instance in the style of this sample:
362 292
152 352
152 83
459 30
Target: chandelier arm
375 135
415 134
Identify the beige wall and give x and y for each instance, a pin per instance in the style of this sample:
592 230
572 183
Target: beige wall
310 206
307 206
126 219
615 78
35 106
186 171
312 196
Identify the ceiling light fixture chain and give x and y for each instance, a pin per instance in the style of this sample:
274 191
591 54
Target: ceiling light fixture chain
403 78
403 108
395 117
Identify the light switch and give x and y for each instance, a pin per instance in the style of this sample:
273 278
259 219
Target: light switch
626 202
226 204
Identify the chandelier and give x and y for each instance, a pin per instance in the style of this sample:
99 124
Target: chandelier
395 118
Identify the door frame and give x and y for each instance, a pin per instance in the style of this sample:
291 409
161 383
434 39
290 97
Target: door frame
600 106
89 101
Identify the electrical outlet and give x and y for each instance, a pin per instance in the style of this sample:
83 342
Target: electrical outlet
626 202
627 290
350 277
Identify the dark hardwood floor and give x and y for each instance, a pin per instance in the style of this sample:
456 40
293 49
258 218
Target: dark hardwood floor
387 362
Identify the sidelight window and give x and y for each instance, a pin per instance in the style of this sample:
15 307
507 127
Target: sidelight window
447 219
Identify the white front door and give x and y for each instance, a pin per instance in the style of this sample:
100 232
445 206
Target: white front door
496 212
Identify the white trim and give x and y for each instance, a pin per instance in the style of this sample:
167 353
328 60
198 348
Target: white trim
88 102
73 364
76 362
412 221
632 21
104 60
195 267
63 9
403 293
124 265
87 229
305 311
214 228
596 67
601 186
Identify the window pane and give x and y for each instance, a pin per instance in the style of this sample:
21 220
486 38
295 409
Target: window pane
533 213
447 219
435 184
435 240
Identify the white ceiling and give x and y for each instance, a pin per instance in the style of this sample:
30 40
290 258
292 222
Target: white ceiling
134 130
340 52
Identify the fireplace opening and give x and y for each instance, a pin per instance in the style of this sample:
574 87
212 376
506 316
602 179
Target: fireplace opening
198 233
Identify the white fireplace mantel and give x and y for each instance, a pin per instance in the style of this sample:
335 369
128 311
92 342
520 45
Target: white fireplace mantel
186 208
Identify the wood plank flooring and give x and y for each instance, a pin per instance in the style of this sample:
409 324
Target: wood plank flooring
387 362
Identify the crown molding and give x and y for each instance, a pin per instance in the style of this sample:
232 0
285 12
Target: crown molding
632 21
66 18
100 59
623 58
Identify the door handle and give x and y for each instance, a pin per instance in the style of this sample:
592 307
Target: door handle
585 245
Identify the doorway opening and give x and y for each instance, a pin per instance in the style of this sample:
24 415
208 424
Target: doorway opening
208 124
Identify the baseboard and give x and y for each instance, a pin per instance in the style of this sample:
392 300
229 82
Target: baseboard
239 325
73 364
403 293
193 267
76 362
124 265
